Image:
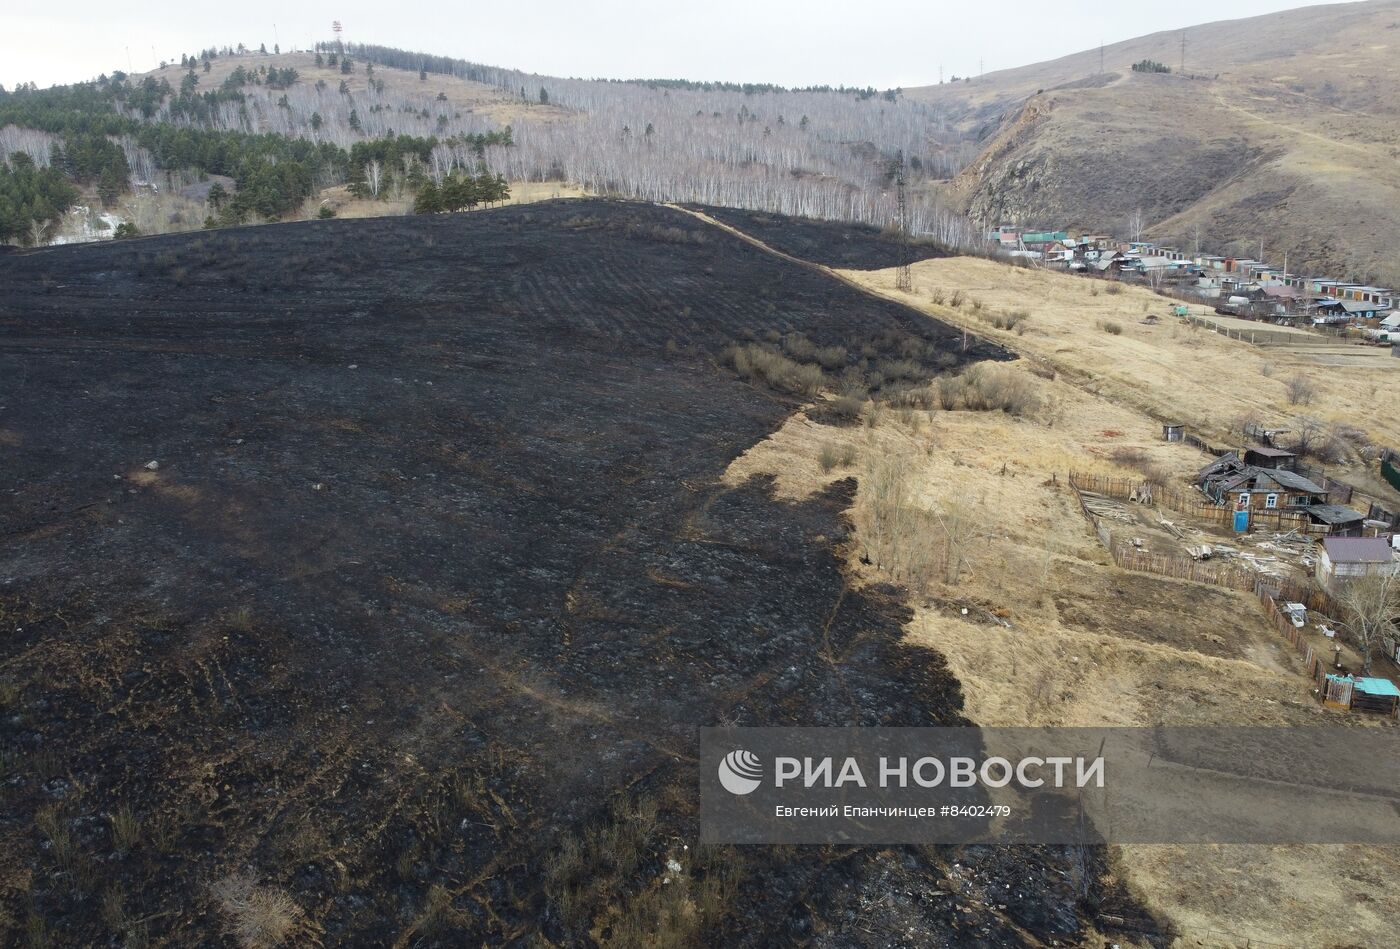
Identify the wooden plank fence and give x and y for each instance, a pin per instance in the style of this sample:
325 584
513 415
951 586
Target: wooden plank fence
1267 590
1128 557
1190 502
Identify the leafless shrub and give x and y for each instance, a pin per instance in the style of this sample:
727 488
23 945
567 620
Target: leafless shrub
989 388
900 370
947 391
833 456
1300 390
1141 461
847 408
1267 370
937 296
1113 289
259 917
913 544
958 299
911 397
1011 320
775 370
1314 439
1110 327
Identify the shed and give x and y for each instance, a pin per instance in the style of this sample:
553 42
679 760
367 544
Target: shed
1343 559
1339 521
1375 695
1271 458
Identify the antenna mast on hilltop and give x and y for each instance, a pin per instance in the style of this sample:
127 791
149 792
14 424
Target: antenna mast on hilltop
903 279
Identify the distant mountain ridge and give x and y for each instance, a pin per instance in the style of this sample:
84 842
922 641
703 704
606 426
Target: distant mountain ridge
1284 128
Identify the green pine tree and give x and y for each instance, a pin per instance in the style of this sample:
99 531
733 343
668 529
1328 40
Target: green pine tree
429 199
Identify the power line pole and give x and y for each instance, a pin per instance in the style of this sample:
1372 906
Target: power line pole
904 279
1182 70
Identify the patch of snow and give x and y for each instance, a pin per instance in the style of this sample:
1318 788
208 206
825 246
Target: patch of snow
81 225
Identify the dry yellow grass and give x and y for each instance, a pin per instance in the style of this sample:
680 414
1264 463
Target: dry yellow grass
1089 644
347 205
1167 371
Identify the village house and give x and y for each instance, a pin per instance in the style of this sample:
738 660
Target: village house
1245 487
1344 311
1342 559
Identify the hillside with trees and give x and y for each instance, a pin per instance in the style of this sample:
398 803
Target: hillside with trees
283 128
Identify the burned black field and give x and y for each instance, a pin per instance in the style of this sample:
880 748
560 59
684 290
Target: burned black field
830 243
406 635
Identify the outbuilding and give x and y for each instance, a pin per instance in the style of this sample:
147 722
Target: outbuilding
1343 559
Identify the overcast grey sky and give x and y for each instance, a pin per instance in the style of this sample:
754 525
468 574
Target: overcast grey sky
850 42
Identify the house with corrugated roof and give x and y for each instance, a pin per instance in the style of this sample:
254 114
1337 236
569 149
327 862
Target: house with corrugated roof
1343 559
1232 481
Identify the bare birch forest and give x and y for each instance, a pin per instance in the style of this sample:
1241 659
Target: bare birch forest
817 153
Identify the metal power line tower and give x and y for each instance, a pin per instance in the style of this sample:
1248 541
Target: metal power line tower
904 279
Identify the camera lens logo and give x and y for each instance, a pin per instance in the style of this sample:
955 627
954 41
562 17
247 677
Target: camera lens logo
740 772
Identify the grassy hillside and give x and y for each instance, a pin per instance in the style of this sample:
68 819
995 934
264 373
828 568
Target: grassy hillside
1284 127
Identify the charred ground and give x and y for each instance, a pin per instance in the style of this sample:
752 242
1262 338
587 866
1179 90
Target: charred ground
838 244
415 619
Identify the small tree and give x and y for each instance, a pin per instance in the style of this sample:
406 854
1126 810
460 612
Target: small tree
374 177
217 195
429 200
1300 391
423 74
1371 604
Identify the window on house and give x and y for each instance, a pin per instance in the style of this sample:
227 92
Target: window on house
1271 501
